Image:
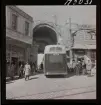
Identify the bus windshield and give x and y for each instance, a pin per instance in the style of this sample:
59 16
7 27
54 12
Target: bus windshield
56 58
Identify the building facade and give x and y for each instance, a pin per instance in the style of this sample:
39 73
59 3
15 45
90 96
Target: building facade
19 27
84 44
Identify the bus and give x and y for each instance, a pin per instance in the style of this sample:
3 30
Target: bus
55 62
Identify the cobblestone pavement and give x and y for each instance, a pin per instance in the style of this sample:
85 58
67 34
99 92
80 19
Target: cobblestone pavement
40 87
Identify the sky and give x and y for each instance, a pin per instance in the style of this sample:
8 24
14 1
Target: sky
78 14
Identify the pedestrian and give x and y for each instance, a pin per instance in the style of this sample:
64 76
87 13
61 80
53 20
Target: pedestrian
36 67
89 67
33 68
83 67
8 69
74 66
68 65
20 71
27 70
77 68
41 66
80 67
12 71
70 69
93 70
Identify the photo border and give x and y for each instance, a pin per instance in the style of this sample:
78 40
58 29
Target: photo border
3 50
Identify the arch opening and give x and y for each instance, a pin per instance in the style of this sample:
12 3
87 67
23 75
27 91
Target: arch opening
44 35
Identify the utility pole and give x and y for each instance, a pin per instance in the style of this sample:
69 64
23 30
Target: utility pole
71 43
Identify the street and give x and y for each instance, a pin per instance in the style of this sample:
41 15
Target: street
40 87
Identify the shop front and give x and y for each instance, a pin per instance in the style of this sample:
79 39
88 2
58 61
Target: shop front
91 54
16 55
78 54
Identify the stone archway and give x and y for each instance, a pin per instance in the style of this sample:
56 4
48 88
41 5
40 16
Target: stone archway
44 34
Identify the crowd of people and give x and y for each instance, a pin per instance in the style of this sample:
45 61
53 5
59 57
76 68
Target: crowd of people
24 70
80 67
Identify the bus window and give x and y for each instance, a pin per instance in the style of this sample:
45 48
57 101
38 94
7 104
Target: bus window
52 49
55 49
56 58
58 49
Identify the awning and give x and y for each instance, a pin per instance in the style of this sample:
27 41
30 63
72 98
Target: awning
91 46
79 46
16 42
84 46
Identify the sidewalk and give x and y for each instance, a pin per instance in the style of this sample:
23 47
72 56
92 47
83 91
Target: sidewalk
9 78
17 77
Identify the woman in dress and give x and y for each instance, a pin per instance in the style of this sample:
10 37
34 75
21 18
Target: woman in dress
27 70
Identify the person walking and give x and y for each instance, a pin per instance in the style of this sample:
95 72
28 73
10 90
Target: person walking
89 67
77 68
41 65
74 66
93 70
20 71
70 66
12 71
8 69
27 70
80 67
36 67
83 67
33 68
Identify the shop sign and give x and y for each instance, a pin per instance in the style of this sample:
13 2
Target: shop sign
80 51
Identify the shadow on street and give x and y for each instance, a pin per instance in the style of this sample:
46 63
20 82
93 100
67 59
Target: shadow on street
61 76
70 75
55 76
9 82
33 78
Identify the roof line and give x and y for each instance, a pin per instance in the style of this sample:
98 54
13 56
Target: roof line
21 12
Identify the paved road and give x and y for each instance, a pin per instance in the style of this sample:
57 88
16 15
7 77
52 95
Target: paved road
40 87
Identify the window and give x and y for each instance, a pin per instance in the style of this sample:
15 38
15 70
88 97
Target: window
26 28
56 58
14 22
56 49
52 49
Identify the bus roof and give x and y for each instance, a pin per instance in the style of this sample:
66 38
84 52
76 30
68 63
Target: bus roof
48 49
